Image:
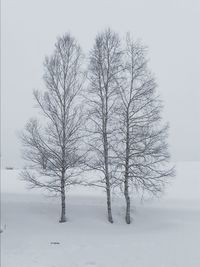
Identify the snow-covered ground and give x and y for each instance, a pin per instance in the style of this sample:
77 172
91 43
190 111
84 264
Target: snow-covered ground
164 232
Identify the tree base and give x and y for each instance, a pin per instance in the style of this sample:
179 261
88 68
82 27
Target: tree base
128 221
110 220
63 220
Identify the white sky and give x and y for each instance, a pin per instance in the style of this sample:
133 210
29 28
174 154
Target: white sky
171 29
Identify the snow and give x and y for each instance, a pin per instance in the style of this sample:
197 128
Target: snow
164 232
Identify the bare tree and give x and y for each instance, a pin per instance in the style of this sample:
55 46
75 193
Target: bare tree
103 73
53 146
142 149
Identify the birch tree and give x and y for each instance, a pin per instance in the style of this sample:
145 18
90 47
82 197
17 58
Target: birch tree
103 73
52 146
142 149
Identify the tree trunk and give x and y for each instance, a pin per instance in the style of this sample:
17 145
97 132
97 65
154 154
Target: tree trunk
109 207
126 194
110 219
63 216
126 178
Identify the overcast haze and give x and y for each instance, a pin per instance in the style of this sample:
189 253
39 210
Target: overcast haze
169 28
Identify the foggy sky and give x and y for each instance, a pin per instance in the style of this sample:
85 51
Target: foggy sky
169 28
